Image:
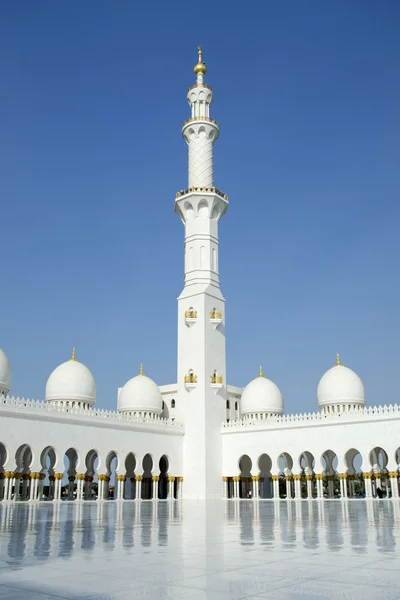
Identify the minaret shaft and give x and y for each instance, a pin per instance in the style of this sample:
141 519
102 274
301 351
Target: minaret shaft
201 306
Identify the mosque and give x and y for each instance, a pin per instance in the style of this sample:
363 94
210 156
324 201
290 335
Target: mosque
199 437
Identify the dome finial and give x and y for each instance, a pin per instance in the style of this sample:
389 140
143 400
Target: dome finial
73 353
200 68
261 372
337 359
141 369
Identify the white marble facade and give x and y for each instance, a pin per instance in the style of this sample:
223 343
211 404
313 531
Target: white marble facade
197 438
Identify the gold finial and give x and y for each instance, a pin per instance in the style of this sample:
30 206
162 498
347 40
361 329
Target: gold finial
337 359
141 369
73 354
200 67
261 372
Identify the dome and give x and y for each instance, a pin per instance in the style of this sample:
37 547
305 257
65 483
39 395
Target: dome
340 385
140 394
5 373
71 382
261 396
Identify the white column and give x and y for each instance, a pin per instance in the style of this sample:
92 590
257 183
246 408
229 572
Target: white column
394 483
368 485
7 486
138 490
225 487
80 486
155 487
309 487
32 487
344 485
320 493
275 483
256 487
297 487
170 495
288 487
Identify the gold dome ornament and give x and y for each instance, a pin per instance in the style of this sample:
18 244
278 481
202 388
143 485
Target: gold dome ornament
200 67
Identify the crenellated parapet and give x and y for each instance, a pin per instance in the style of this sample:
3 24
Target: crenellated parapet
86 413
311 419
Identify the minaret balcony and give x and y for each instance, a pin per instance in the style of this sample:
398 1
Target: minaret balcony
190 381
195 119
216 382
215 318
211 190
190 317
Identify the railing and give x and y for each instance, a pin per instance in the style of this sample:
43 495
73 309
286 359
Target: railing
193 119
274 421
215 315
193 188
191 314
62 409
196 85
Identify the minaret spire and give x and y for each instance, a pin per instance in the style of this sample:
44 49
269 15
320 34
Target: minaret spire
200 69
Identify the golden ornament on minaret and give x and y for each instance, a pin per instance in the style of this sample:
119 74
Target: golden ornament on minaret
200 67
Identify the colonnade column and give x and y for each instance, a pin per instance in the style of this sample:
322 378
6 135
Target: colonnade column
41 485
71 485
309 486
275 483
225 487
58 478
180 488
2 486
297 487
170 491
256 486
25 481
79 486
343 484
155 479
33 486
289 493
377 481
138 490
235 480
394 483
100 486
121 484
368 485
320 485
17 488
9 475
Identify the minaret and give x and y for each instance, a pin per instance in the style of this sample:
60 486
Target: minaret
201 315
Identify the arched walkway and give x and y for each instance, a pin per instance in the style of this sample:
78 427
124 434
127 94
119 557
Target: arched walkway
245 483
147 481
305 484
130 483
285 466
24 487
379 472
3 458
329 461
70 466
90 487
355 479
163 481
47 479
264 474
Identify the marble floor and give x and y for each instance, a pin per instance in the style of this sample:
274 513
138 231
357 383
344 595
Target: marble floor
211 550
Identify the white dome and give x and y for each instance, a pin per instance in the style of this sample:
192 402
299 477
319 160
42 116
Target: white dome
71 382
140 394
340 385
261 396
5 373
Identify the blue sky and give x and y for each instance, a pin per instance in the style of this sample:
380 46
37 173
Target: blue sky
92 99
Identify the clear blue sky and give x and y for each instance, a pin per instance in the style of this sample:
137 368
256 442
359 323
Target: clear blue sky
92 99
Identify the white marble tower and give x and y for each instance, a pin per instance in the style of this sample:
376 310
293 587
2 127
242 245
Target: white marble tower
201 315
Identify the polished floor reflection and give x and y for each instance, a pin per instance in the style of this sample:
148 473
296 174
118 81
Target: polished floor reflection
206 550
